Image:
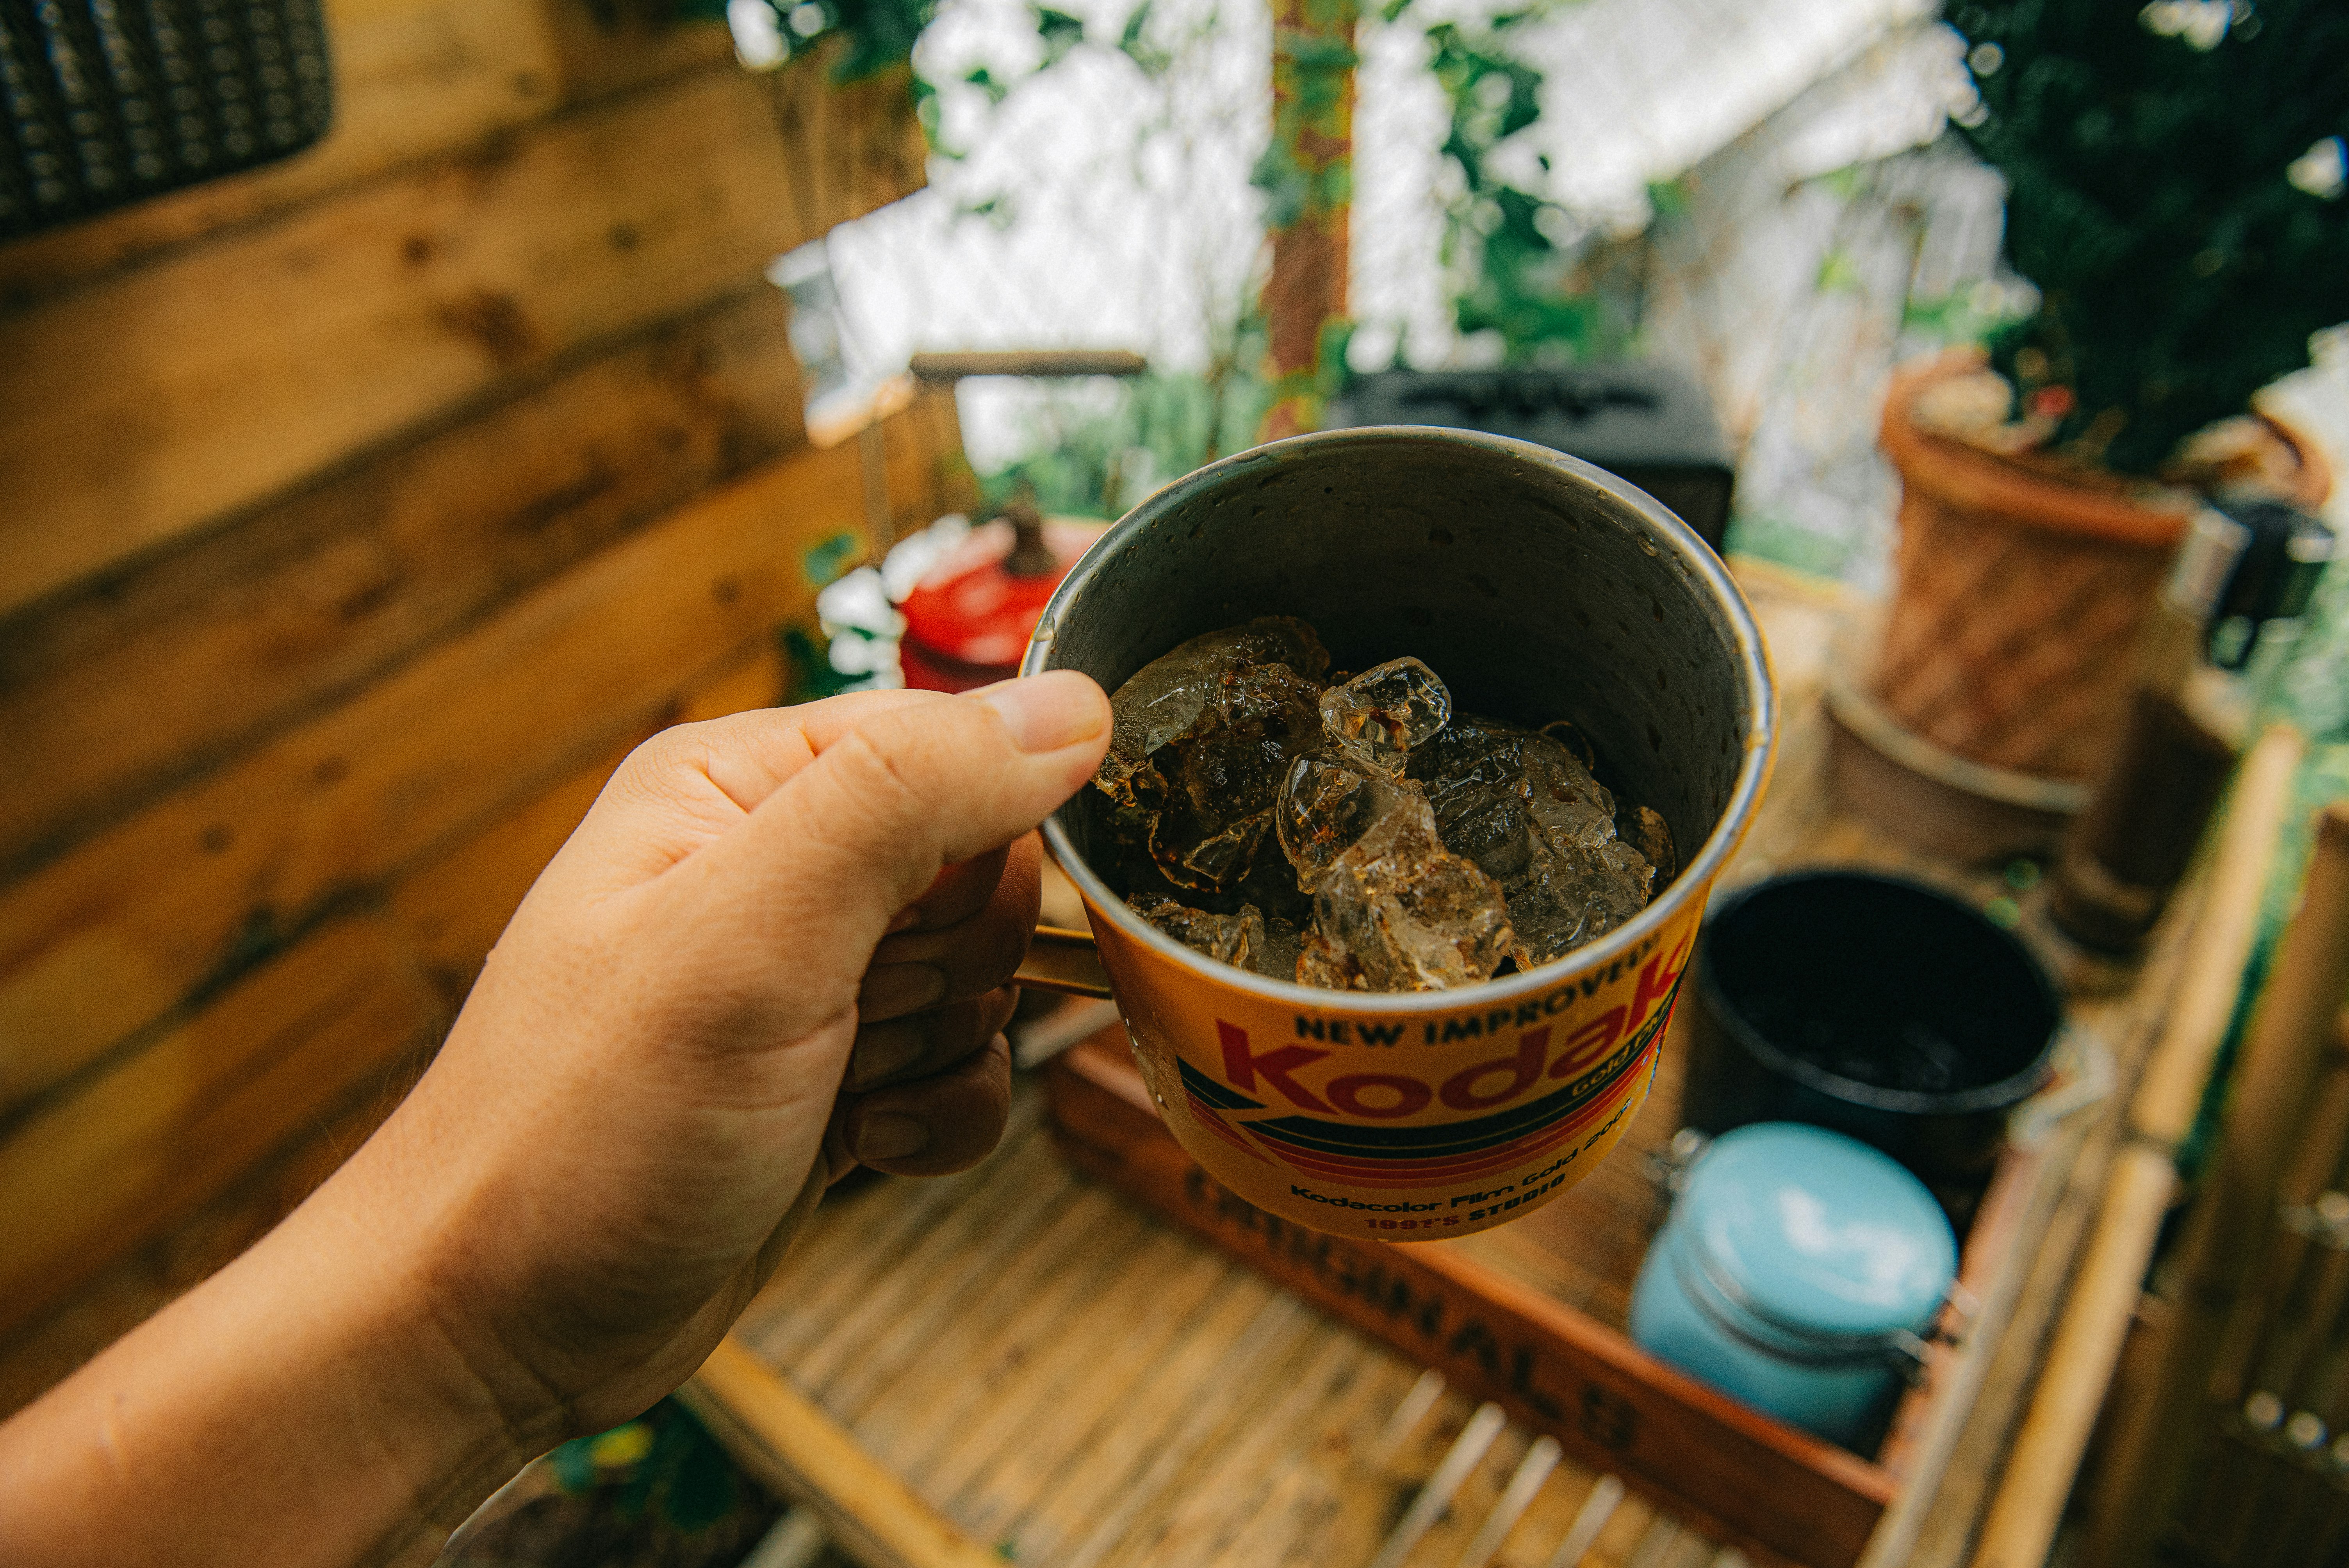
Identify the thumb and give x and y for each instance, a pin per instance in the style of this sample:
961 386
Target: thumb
904 791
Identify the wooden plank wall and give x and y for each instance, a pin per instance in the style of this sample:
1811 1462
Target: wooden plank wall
356 516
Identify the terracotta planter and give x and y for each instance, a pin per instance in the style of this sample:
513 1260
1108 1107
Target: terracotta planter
2019 591
2021 584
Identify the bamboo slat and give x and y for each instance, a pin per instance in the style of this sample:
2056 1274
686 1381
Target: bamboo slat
1077 1385
2274 1084
811 1459
2039 1471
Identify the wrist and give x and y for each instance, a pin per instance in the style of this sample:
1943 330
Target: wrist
314 1366
438 1417
417 1332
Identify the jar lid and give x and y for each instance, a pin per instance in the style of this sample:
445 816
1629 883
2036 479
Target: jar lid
1818 1233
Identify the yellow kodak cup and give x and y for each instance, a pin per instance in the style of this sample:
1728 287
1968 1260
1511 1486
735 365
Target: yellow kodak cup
1538 587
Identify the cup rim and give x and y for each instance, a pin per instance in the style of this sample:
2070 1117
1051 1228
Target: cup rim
1999 1094
1697 874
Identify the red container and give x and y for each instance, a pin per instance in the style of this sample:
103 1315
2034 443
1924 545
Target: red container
967 622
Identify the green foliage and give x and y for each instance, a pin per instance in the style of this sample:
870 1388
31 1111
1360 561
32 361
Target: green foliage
1090 460
880 33
2147 151
663 1465
1061 33
1498 237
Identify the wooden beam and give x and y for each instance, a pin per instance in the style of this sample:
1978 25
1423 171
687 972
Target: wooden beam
106 698
413 79
1028 362
148 1144
140 1280
856 145
112 935
443 918
618 46
174 394
791 1443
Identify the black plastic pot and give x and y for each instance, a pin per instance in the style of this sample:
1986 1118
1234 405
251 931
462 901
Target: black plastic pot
1875 1006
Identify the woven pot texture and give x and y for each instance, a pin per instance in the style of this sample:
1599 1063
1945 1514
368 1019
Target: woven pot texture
2018 600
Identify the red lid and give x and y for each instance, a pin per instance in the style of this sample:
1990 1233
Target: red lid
975 610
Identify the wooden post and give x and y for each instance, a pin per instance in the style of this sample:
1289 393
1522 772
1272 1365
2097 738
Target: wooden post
791 1443
2236 1215
1308 174
2087 1341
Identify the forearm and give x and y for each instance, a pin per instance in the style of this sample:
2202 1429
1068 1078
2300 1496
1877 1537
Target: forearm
302 1407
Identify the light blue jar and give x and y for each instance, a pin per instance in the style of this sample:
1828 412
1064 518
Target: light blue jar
1799 1272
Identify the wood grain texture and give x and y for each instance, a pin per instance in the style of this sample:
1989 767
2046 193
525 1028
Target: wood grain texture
166 397
188 658
146 1278
856 144
442 919
412 78
615 46
111 936
149 1143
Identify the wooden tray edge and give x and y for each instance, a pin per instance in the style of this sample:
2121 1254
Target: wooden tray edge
1752 1480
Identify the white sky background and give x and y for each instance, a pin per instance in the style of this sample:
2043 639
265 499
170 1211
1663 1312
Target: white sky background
1132 222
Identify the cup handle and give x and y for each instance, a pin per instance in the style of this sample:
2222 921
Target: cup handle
1063 960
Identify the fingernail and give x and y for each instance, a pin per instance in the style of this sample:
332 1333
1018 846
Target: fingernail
879 1053
887 1137
890 989
1046 712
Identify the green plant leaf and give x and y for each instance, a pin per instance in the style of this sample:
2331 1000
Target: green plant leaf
1059 31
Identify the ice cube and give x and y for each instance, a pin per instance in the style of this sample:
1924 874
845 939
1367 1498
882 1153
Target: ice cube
1161 700
1238 939
1378 716
1581 880
1200 740
1392 909
1223 774
1321 962
1645 830
1525 808
1326 804
1406 912
1473 773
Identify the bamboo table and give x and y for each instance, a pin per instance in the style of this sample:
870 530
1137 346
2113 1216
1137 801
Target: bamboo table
1072 1383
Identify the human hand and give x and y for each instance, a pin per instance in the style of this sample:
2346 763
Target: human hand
642 1098
643 1095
